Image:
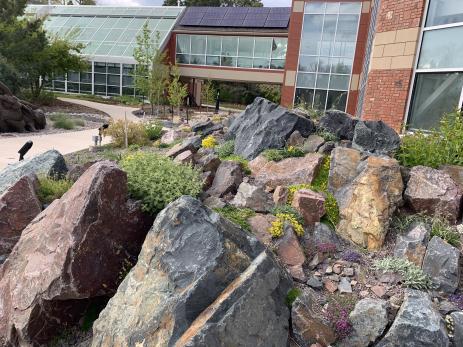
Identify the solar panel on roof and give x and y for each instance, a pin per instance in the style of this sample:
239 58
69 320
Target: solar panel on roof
256 23
232 22
275 24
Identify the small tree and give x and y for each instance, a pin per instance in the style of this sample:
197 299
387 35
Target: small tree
208 93
177 90
152 73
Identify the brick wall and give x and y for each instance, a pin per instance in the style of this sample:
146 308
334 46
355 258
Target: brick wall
391 68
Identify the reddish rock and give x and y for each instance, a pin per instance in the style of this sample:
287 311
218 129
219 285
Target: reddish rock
456 172
207 178
288 248
330 286
257 164
74 251
78 170
227 179
433 192
311 205
19 205
379 291
181 147
412 245
260 225
290 171
280 195
297 273
208 162
186 157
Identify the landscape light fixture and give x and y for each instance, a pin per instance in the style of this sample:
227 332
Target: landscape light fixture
24 149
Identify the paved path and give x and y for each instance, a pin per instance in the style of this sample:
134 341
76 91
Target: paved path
114 111
64 142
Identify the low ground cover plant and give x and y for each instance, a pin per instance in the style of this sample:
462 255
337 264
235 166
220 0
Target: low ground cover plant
274 154
440 146
337 312
50 189
238 216
63 121
226 149
413 276
157 180
136 133
153 130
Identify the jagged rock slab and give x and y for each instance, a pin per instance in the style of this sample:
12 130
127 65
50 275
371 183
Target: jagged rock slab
227 179
199 281
339 123
265 125
417 324
74 252
253 197
375 137
412 246
50 163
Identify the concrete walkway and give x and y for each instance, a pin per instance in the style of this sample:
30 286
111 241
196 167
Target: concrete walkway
64 142
114 111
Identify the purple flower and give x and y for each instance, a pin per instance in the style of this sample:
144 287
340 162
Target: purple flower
326 247
351 256
457 299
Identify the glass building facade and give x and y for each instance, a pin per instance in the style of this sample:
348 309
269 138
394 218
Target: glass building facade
232 51
328 42
438 80
108 35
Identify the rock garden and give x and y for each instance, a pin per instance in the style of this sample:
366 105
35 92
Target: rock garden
265 228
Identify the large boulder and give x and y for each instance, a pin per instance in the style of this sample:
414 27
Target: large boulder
375 137
417 324
369 320
412 246
291 253
227 179
19 205
456 172
289 171
339 123
265 125
367 203
310 205
253 197
17 115
50 163
72 253
442 263
433 192
343 170
309 324
199 281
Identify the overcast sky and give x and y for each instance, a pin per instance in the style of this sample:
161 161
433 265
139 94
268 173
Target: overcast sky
267 3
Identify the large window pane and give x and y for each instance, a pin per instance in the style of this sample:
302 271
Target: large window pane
100 78
339 82
262 47
114 80
246 46
315 7
444 12
198 44
261 63
320 99
277 64
306 80
329 27
213 45
336 100
434 95
183 58
198 59
347 28
441 49
212 60
304 97
183 44
244 62
230 46
311 34
322 81
308 63
228 61
279 47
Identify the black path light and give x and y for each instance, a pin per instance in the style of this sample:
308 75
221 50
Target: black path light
24 149
101 130
217 102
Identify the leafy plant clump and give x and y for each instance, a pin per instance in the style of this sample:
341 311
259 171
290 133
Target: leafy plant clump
63 121
337 312
326 135
157 180
136 133
153 130
50 189
292 295
226 149
238 216
283 153
440 146
277 227
209 142
413 276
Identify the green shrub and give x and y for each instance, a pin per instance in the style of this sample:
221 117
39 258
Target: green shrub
413 276
283 153
136 133
243 162
443 145
50 189
326 135
287 209
157 180
127 100
226 149
238 216
292 296
79 122
62 121
45 98
153 130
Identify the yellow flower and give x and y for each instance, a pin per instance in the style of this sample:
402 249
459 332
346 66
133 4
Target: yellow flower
276 229
209 142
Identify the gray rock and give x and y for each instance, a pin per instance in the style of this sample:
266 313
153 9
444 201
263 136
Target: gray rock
433 192
214 202
194 141
253 197
209 162
327 147
417 324
369 320
50 163
344 285
322 233
339 123
199 281
375 137
412 246
265 125
296 139
315 282
457 328
313 143
442 263
201 126
227 179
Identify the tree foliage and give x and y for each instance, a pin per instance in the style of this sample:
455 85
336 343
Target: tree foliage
177 90
152 74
